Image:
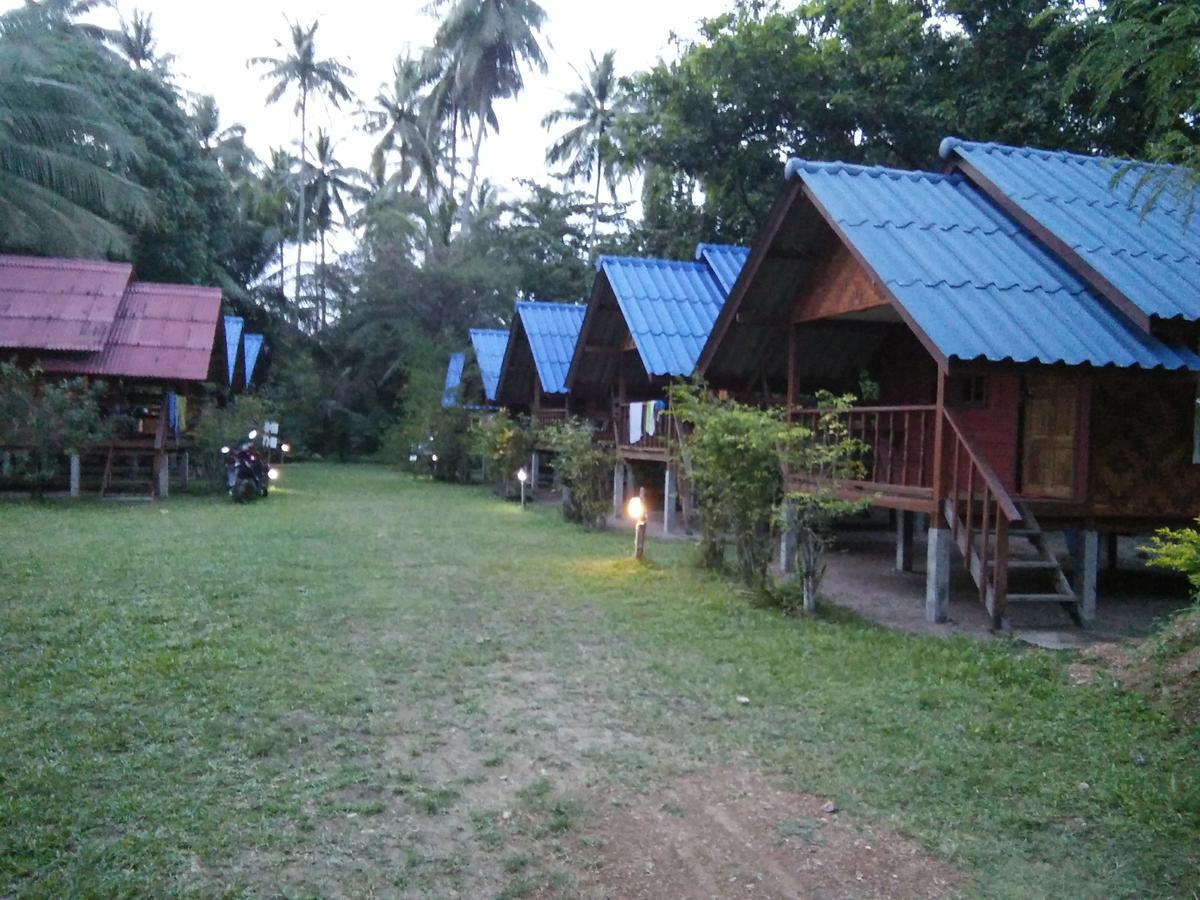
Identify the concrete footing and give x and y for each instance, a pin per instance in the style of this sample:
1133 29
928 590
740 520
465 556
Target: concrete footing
787 541
76 474
619 490
670 489
905 525
937 577
1089 565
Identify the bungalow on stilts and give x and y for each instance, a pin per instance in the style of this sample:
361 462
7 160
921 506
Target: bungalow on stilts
533 372
1032 337
646 322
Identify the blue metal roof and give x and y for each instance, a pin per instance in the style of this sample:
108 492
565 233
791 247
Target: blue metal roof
725 260
1151 256
489 345
668 306
453 379
970 277
552 330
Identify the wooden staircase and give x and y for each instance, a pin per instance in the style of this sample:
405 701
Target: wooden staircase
984 523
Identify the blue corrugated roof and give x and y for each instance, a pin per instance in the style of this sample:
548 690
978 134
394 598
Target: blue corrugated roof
1151 256
725 260
970 277
552 330
453 379
489 345
668 306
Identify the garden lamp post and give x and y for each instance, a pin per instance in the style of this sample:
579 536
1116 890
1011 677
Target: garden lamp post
522 476
637 512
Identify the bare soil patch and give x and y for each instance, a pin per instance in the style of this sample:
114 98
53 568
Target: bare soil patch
729 833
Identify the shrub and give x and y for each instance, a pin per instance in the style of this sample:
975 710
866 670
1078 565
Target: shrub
505 443
453 444
218 426
732 459
585 467
48 419
1177 549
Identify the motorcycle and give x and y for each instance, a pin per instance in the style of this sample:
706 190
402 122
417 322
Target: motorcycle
247 474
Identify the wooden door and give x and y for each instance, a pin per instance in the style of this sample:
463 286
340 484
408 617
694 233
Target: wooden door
1051 436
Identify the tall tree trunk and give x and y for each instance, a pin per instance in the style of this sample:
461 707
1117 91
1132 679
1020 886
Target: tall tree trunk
596 203
324 305
303 190
464 212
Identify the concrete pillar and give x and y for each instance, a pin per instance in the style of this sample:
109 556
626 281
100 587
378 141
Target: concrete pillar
905 525
185 472
937 575
787 540
76 474
5 464
619 490
162 475
535 460
1089 565
669 492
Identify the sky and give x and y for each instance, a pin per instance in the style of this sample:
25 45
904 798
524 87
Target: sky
213 40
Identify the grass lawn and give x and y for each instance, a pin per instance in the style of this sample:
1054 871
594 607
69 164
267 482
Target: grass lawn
367 685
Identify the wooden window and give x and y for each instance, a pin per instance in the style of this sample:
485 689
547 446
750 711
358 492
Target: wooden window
968 391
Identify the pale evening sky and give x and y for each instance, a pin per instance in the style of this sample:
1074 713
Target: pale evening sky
213 40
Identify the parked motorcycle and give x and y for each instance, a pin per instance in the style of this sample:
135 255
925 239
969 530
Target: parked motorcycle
247 474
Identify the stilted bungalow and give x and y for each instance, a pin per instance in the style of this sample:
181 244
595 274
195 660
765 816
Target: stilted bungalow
646 323
488 346
534 371
1032 339
153 344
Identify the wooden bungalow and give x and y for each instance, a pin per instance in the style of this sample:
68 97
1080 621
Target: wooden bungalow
534 370
646 322
487 352
153 344
1032 340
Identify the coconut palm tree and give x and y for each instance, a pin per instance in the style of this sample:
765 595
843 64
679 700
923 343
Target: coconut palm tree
301 68
588 146
61 153
331 184
400 117
136 42
484 45
60 16
276 204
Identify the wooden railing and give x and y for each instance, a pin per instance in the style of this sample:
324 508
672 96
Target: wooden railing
550 415
977 507
659 442
899 442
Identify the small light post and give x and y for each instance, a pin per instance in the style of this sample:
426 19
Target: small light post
284 450
522 476
637 511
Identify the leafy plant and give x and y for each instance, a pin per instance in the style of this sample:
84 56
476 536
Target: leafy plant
732 460
505 443
47 419
828 456
584 465
218 426
1177 549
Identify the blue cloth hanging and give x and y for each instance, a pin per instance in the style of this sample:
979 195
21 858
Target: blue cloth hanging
233 340
251 344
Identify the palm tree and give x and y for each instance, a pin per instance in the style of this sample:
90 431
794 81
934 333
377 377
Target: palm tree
302 68
61 153
332 185
593 107
484 44
400 116
136 42
275 204
60 16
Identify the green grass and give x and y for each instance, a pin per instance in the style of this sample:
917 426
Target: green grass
316 694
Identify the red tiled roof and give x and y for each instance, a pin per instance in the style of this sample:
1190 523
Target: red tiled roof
162 331
59 304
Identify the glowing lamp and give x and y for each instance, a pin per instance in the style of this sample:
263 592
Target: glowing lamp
225 450
412 457
253 433
286 448
434 457
636 509
522 475
273 474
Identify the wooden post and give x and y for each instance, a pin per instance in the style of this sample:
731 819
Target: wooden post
185 472
619 489
1089 565
669 492
904 540
639 530
160 451
792 373
76 474
535 459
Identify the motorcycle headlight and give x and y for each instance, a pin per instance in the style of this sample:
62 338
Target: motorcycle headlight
225 451
273 474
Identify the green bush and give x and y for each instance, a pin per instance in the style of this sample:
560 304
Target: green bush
505 443
585 467
218 426
1177 549
47 419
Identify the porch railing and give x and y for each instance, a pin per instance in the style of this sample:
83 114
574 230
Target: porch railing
979 511
659 442
550 415
899 442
